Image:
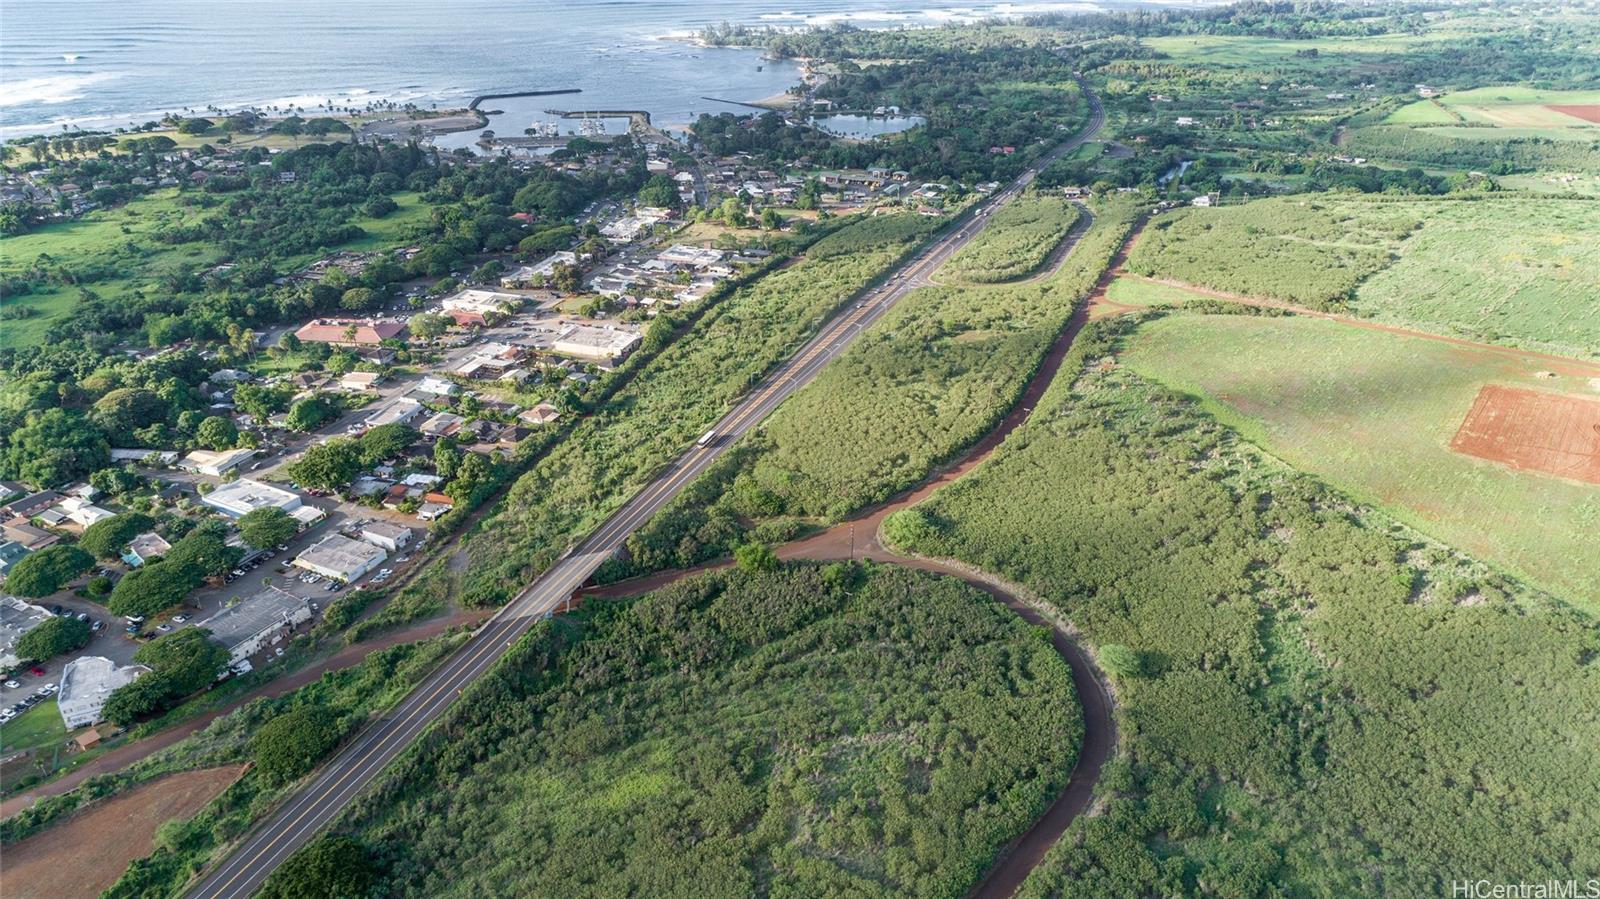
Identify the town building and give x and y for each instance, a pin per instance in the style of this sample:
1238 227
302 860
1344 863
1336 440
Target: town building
437 387
215 463
256 621
359 381
144 548
340 558
350 332
27 536
11 552
30 505
245 495
475 307
86 683
386 536
601 345
542 414
17 618
441 424
398 411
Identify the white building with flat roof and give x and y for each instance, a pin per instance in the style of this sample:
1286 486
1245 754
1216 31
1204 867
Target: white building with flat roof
386 536
244 496
398 412
86 683
590 344
216 463
474 306
340 558
256 621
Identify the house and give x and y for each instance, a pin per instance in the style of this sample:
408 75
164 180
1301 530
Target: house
539 272
350 332
17 618
83 512
215 463
382 534
542 414
86 682
602 345
359 381
437 387
245 495
27 536
340 558
399 411
1202 200
477 307
256 621
442 424
144 548
89 739
30 505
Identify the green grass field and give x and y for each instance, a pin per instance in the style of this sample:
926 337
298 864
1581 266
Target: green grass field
1372 414
1524 272
38 727
1139 292
1422 112
1015 242
119 238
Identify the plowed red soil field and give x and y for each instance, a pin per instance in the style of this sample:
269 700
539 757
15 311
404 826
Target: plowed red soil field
1530 430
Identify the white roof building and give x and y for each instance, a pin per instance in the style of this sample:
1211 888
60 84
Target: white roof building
386 536
682 254
438 387
473 302
216 463
17 618
86 682
256 622
145 547
243 496
398 412
340 558
591 344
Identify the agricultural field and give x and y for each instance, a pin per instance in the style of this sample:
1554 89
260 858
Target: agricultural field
1373 415
1482 149
815 730
1523 272
1015 242
1312 251
615 451
1513 110
1510 270
930 378
1306 679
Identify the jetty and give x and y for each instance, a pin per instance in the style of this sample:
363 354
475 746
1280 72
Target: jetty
565 90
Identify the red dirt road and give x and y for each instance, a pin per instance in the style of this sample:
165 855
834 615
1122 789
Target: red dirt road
1530 430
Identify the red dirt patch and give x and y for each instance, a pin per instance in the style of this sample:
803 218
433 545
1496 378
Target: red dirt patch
89 851
1589 112
1528 430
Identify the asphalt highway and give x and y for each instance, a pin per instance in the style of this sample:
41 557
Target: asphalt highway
320 800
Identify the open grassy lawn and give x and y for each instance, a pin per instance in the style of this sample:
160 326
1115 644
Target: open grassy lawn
394 229
117 238
37 727
1373 414
1523 272
1139 292
1422 112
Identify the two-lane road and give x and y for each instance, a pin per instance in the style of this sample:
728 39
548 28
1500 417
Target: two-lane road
314 805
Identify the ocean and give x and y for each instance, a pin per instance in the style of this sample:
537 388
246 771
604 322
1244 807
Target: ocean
104 63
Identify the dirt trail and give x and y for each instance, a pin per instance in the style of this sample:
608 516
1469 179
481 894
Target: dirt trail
125 755
858 538
85 854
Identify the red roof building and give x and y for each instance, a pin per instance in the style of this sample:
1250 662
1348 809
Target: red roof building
338 331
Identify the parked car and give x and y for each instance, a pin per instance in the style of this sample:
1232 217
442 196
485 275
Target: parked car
12 685
163 628
36 671
83 616
179 619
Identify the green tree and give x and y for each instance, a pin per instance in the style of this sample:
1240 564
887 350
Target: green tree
61 634
217 432
332 867
1119 661
152 588
53 447
267 527
308 413
329 466
143 697
360 299
186 659
48 570
108 538
291 744
770 219
428 325
386 442
755 557
117 481
122 411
